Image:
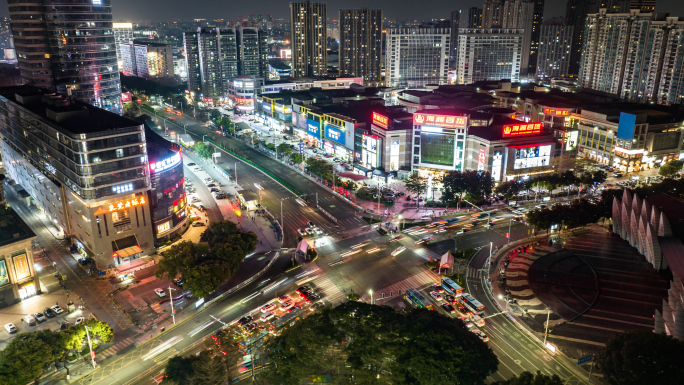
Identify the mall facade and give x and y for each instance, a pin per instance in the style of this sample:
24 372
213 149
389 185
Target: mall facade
85 168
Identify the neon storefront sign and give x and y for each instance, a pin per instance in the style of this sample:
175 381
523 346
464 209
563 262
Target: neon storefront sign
127 204
440 120
522 129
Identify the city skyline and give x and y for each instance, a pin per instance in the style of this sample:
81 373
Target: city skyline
167 10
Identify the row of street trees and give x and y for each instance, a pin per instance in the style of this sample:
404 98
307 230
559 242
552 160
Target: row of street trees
550 182
472 185
29 354
204 266
579 213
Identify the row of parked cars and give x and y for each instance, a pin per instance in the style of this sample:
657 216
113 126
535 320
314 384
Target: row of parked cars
40 317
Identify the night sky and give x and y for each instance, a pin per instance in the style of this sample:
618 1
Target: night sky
167 10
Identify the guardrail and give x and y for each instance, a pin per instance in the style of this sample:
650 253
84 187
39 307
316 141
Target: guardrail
231 152
327 213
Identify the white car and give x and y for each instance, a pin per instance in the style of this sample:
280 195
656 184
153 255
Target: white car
435 295
57 309
269 307
11 328
196 169
160 293
79 320
287 305
301 232
309 231
284 298
40 317
267 316
318 231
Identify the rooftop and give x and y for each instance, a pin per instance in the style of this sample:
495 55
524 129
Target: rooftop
60 111
15 230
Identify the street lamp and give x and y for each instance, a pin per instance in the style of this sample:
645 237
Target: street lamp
235 169
90 345
371 293
173 313
546 332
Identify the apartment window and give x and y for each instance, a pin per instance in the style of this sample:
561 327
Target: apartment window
119 152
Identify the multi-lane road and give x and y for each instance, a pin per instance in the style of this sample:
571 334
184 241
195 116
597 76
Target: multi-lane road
294 214
359 263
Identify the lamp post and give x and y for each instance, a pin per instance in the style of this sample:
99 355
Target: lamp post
371 293
235 169
546 332
173 313
490 254
90 345
510 221
501 297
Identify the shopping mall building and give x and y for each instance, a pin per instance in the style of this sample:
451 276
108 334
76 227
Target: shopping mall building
450 139
88 171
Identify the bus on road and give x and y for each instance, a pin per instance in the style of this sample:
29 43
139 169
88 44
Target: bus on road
414 297
452 287
474 305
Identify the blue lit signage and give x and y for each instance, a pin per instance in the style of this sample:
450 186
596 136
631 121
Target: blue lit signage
313 128
165 164
334 133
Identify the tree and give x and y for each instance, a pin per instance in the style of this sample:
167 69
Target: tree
416 184
474 184
670 168
285 149
527 378
179 370
169 97
206 265
25 357
508 189
204 151
642 357
296 158
132 109
210 369
377 345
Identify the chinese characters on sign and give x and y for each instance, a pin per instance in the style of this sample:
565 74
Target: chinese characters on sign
127 204
440 120
550 111
481 160
522 129
21 266
380 120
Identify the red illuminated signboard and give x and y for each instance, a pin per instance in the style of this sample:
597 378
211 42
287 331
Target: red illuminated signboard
551 111
522 129
440 120
380 120
126 97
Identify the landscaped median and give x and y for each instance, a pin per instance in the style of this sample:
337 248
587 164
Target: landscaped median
223 148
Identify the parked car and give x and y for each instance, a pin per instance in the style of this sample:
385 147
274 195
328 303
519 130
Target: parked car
29 319
191 164
40 317
11 328
57 309
160 293
79 320
197 224
49 313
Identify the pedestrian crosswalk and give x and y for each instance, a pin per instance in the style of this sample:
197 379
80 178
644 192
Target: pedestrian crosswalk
474 273
419 280
157 307
332 293
110 351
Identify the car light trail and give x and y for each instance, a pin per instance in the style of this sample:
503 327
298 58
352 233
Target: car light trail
272 286
360 245
198 329
348 253
373 250
162 347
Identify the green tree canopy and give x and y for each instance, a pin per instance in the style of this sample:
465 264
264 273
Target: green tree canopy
205 266
416 184
670 168
27 355
204 151
642 357
179 370
285 149
474 184
377 345
527 378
